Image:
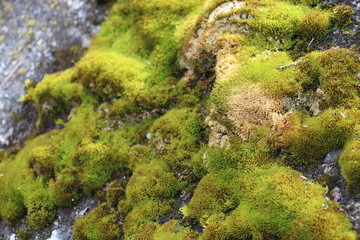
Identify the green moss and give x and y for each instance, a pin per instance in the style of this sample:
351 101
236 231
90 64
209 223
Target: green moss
65 190
277 23
173 230
110 75
306 2
109 105
115 191
145 213
212 195
274 201
350 165
150 181
176 137
341 15
334 72
42 159
138 155
311 139
315 25
40 210
100 223
55 96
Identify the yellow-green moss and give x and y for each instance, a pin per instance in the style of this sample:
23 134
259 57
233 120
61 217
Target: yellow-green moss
334 72
274 201
110 75
173 230
314 25
349 163
176 137
100 223
311 139
341 15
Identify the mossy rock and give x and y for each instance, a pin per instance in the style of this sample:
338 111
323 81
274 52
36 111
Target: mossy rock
100 223
310 140
341 15
315 25
271 201
349 163
111 75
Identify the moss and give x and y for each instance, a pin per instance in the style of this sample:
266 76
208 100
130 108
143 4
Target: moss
311 139
100 223
115 192
138 155
55 96
110 75
259 72
145 213
173 230
65 190
40 210
212 195
277 23
334 72
147 231
176 137
109 104
341 15
306 2
349 164
272 201
315 25
150 181
42 159
97 165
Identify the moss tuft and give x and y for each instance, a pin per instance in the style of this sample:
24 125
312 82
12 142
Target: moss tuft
100 223
110 75
341 15
314 25
349 163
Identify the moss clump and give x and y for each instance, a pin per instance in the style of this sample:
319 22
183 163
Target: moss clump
110 75
212 195
173 230
65 190
277 23
150 181
100 223
306 2
334 72
42 159
40 209
310 139
176 137
271 201
314 25
115 191
54 97
149 195
341 15
350 165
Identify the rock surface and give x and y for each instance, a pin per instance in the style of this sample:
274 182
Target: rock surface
38 37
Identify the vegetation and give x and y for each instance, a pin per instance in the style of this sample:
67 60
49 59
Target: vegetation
206 123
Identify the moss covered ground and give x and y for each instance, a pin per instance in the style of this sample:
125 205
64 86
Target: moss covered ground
194 97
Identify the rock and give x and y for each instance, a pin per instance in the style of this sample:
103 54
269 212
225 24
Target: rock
333 156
